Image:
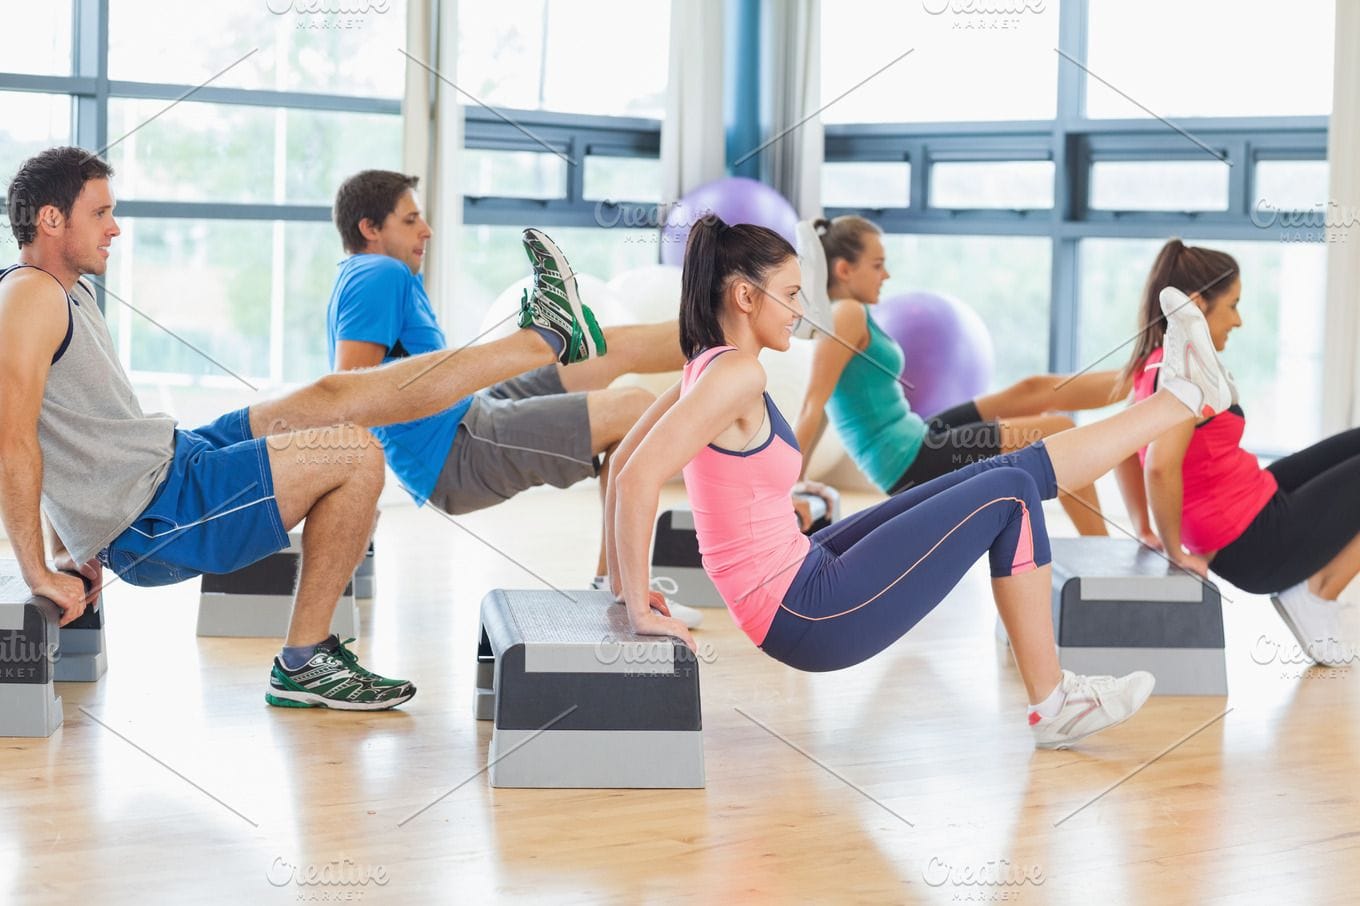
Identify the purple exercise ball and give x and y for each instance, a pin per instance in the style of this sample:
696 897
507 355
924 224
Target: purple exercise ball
735 199
947 349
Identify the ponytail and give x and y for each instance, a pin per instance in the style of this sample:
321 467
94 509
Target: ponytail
715 255
843 238
1190 269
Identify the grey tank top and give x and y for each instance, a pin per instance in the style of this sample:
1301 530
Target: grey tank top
103 458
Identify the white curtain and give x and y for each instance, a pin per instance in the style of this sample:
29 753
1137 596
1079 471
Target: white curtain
692 133
1341 347
791 70
432 115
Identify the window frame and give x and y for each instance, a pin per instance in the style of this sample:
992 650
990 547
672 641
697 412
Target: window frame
1073 142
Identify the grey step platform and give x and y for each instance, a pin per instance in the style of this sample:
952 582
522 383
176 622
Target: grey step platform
1118 607
257 601
675 552
81 656
579 701
29 704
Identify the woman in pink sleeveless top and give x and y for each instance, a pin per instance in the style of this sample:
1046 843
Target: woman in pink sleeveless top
852 589
1290 530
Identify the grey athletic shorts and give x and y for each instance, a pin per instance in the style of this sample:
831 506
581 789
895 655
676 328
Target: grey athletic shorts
518 434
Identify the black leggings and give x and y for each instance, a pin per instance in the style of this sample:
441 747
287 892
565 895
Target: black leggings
1313 515
954 438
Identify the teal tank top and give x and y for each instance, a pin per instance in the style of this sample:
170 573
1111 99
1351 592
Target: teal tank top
871 414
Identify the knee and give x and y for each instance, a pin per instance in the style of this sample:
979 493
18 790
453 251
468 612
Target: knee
1036 384
620 409
331 390
359 455
1017 482
635 401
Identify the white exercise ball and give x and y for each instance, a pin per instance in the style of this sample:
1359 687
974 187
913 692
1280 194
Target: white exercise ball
646 295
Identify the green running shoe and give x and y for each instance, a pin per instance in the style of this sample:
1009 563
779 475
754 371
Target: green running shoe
555 304
333 678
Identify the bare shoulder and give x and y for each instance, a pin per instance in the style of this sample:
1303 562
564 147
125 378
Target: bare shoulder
34 294
850 319
33 309
736 372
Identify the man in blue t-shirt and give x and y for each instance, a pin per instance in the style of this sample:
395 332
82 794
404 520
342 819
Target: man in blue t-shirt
555 425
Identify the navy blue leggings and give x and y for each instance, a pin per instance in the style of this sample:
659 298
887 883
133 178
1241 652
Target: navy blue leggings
868 579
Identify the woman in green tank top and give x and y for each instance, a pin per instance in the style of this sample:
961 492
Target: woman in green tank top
855 380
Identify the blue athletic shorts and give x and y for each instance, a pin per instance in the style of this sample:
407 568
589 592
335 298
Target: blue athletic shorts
214 513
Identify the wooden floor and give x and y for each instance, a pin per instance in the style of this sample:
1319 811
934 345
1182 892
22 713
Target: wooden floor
911 778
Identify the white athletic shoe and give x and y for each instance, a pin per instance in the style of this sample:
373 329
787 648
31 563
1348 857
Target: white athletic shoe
1316 624
816 303
1092 704
1189 354
690 616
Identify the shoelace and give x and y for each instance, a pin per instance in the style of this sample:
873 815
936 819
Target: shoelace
666 586
1093 686
350 659
543 259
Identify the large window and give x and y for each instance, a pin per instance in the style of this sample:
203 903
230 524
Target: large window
229 131
565 56
1005 279
31 122
562 130
1044 212
330 53
937 61
1210 58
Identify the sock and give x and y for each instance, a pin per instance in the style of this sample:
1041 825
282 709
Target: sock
600 582
1187 393
295 656
550 338
1050 706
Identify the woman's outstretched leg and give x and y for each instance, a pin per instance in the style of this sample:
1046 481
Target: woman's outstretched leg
1192 385
1081 455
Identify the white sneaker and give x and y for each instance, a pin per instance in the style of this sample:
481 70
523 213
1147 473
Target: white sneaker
690 616
1189 354
1316 624
1092 704
816 303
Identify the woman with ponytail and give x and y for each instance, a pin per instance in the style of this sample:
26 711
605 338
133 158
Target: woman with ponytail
852 589
1290 530
855 365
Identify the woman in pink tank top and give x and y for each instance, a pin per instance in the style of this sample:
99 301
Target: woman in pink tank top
855 587
1290 530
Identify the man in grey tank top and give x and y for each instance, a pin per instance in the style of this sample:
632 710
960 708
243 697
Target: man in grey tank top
158 504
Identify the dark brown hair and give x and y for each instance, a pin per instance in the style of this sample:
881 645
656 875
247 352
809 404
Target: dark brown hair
53 177
715 255
843 238
367 195
1190 269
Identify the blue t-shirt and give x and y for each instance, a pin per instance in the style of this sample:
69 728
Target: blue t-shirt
376 299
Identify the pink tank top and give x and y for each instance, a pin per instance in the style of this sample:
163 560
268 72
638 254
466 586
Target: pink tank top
743 517
1224 486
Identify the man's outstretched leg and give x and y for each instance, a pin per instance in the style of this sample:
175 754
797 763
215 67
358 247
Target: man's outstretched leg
637 349
557 327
